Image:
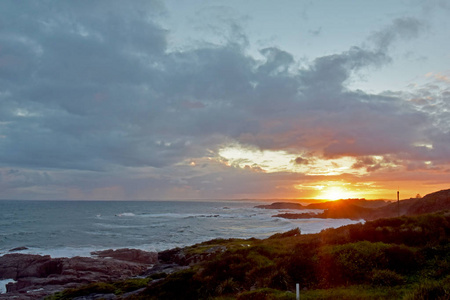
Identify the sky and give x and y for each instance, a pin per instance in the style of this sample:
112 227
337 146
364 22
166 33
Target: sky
200 99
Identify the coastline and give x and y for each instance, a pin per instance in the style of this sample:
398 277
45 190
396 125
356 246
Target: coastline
398 247
405 248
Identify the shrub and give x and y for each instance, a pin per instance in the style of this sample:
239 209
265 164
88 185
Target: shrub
227 287
261 254
293 232
401 258
301 266
131 284
158 276
279 281
179 285
386 278
229 265
266 294
351 263
436 290
440 268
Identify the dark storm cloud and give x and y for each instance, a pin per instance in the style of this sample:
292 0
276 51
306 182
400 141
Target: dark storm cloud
94 86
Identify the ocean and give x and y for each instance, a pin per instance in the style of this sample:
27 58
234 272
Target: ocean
75 228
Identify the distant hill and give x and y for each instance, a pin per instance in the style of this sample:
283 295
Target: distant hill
430 203
433 202
345 202
367 209
326 204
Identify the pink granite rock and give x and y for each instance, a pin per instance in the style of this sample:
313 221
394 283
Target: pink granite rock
37 276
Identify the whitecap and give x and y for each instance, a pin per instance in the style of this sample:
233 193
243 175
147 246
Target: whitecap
126 214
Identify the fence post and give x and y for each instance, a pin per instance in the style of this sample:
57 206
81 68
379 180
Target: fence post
297 290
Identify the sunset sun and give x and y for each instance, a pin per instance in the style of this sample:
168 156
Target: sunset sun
335 193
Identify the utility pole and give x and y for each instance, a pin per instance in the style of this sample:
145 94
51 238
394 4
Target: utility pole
398 202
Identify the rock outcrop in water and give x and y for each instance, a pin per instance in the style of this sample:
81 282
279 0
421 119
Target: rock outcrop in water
37 276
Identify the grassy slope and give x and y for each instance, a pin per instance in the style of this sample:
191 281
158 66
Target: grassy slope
407 257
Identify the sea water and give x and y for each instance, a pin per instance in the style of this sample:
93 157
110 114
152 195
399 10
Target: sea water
75 228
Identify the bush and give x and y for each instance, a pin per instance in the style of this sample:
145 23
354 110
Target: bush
227 287
266 294
386 278
179 285
401 259
351 263
430 290
228 266
131 284
356 292
301 266
293 232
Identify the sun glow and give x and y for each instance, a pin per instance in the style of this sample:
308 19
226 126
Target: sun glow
336 193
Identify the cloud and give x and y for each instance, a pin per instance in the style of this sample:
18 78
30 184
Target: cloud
301 161
405 28
89 89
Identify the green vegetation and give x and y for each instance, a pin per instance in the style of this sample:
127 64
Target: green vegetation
397 258
117 288
430 289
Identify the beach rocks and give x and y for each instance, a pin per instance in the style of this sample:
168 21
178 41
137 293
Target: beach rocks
37 276
125 254
22 265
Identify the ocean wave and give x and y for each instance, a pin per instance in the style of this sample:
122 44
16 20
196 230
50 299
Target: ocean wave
180 215
126 214
167 215
120 226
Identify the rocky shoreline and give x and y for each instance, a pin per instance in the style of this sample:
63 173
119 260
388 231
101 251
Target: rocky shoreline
38 276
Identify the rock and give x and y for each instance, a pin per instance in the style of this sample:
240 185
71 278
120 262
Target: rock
38 276
175 255
133 255
298 216
18 249
17 265
282 205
